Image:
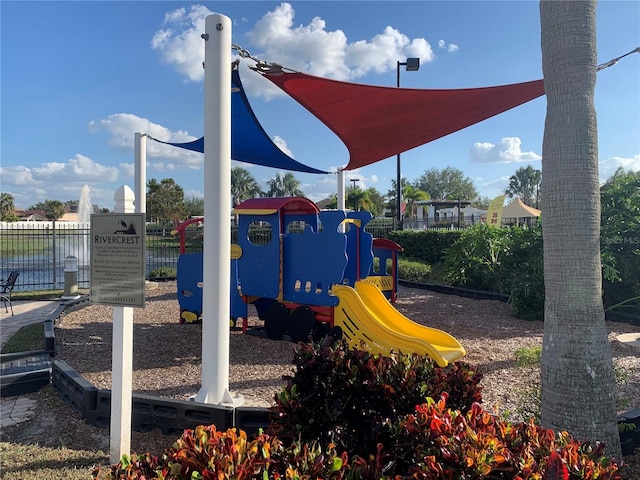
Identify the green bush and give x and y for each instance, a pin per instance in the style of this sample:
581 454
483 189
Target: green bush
432 441
502 260
620 241
522 272
414 271
474 260
427 246
163 272
347 396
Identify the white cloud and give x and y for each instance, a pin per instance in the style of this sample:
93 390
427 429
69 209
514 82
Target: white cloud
127 170
180 43
507 151
122 126
311 48
609 166
77 169
56 180
451 47
17 175
281 143
315 49
383 51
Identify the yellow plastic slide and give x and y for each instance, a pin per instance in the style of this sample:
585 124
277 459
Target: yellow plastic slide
368 319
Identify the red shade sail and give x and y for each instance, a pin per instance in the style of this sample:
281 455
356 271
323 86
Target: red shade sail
378 122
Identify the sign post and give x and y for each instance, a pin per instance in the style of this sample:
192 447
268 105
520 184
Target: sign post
118 264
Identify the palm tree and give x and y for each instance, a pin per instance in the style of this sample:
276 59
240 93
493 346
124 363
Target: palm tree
377 201
578 383
525 183
359 199
411 195
392 203
286 185
7 208
243 186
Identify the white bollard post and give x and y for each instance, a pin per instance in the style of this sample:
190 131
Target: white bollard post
122 358
70 278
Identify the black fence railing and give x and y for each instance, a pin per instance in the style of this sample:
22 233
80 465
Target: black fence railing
38 250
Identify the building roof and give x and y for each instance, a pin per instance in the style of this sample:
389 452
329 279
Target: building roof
517 209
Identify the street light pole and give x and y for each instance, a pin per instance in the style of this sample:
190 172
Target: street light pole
412 65
354 180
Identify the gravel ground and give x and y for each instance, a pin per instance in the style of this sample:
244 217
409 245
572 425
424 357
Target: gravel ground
167 355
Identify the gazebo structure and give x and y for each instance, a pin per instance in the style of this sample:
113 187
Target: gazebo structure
518 213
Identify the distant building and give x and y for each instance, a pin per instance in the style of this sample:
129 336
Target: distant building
322 204
432 213
31 215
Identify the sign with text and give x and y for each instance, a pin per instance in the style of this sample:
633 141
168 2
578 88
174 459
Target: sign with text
118 259
494 214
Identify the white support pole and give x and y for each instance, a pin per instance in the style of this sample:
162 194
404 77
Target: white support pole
140 155
217 211
122 358
140 173
341 196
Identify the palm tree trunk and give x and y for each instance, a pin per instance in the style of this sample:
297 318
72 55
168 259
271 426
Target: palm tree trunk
578 383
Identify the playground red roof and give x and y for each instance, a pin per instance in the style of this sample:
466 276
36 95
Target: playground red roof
286 204
378 122
388 244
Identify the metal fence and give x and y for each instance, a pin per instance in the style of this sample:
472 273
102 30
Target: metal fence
38 250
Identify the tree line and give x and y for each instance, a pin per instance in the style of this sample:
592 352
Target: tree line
167 203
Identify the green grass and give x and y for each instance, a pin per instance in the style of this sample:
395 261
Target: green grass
528 356
26 339
13 245
37 295
45 463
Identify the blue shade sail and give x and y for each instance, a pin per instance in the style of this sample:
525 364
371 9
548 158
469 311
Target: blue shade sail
249 142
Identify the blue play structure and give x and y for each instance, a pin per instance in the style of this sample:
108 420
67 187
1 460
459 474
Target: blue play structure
289 274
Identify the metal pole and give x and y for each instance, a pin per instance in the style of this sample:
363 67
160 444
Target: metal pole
140 157
354 180
217 211
398 170
341 196
55 266
140 172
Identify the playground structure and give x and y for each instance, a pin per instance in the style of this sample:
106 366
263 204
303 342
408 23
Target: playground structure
313 272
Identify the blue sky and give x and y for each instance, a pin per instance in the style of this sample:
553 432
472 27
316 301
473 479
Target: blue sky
78 79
